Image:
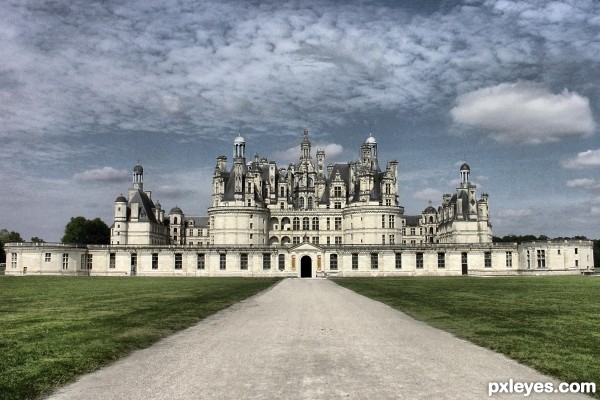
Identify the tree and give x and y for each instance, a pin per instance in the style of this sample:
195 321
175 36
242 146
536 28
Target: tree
80 230
36 239
8 237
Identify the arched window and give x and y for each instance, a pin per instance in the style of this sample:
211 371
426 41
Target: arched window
305 224
175 220
282 191
431 220
315 224
311 182
296 226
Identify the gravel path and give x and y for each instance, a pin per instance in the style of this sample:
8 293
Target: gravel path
306 339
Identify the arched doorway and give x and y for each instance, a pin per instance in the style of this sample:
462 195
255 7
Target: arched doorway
306 267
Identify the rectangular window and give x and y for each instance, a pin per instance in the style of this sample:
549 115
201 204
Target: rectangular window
412 231
464 260
282 262
337 205
541 258
328 240
328 223
48 257
374 261
528 260
509 259
112 260
337 191
200 261
487 259
243 261
392 220
154 260
441 260
338 223
315 240
222 261
398 260
354 260
338 240
266 260
89 261
82 264
382 239
13 260
383 221
576 250
178 261
333 261
296 240
65 261
419 260
392 239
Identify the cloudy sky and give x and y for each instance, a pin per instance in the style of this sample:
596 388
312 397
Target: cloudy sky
89 88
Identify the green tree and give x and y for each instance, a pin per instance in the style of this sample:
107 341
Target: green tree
80 230
8 237
36 239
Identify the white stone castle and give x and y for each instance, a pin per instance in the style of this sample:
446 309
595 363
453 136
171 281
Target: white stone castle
305 220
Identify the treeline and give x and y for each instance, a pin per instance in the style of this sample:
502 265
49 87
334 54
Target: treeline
79 230
533 238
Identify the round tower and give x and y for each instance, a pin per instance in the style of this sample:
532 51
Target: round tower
177 225
121 209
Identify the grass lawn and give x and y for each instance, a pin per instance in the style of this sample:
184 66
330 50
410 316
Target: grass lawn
549 323
55 328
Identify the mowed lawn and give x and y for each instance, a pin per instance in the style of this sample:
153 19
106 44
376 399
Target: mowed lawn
55 328
549 323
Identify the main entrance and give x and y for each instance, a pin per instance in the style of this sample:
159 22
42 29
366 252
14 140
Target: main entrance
306 267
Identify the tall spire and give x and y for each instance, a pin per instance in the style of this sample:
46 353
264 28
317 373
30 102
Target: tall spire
305 146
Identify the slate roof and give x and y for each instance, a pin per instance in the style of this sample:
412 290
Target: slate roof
199 222
146 206
412 220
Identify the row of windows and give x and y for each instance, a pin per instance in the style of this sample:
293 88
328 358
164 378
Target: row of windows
306 224
87 260
337 240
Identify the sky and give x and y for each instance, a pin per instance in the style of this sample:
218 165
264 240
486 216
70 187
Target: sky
88 89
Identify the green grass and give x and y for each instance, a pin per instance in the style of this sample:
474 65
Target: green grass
53 329
549 323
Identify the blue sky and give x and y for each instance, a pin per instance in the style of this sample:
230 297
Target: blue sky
511 87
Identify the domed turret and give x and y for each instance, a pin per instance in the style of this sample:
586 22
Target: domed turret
465 171
239 147
371 140
121 199
138 169
175 210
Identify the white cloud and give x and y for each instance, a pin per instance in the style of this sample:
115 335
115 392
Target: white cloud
589 158
584 183
332 150
514 213
429 194
525 112
106 174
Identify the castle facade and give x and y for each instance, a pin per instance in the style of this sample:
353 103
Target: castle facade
306 219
